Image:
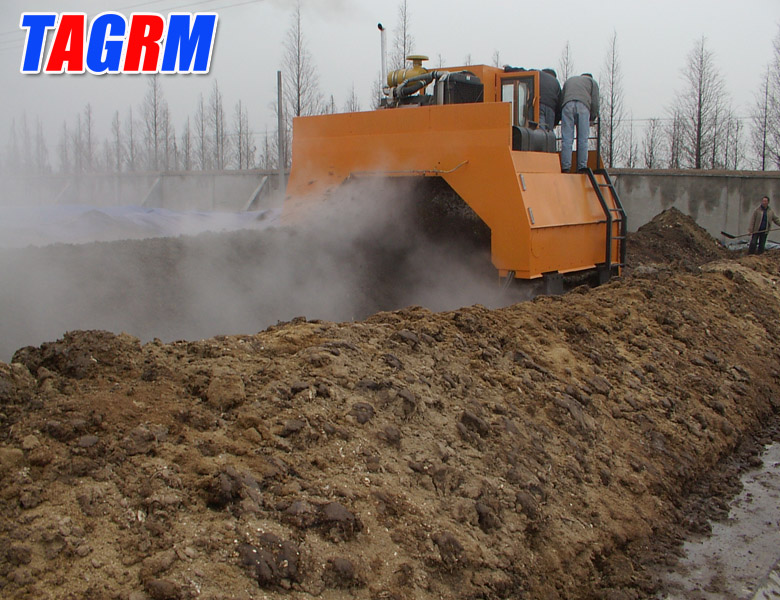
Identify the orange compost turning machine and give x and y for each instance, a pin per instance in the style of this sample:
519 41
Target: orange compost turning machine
477 130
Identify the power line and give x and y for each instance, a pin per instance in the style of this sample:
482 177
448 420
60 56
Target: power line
18 45
15 31
189 4
11 32
9 45
668 119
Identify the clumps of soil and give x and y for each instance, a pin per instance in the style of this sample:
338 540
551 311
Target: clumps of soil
673 238
544 450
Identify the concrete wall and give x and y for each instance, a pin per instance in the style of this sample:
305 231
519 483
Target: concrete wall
204 191
716 200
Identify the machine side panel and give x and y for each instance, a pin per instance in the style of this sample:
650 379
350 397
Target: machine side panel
540 219
466 144
329 148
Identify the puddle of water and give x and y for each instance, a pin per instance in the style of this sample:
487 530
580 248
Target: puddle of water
770 590
739 560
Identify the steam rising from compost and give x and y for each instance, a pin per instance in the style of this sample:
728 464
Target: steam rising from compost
343 259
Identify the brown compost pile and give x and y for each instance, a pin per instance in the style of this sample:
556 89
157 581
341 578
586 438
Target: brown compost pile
555 448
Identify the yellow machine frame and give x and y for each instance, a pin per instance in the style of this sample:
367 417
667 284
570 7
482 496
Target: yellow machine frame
542 221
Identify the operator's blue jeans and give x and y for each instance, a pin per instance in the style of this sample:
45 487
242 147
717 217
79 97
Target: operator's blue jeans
546 117
574 113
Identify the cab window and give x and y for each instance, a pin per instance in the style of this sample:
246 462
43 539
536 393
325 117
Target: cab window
519 93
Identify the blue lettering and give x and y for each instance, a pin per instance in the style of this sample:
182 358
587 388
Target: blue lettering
187 45
104 53
36 24
187 42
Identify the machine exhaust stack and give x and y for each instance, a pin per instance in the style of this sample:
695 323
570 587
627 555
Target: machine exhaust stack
384 53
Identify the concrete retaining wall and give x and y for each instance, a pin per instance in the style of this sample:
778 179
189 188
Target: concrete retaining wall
190 190
717 200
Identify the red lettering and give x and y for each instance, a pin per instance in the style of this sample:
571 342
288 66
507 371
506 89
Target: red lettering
68 45
146 31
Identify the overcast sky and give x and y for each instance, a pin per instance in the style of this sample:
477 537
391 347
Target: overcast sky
654 39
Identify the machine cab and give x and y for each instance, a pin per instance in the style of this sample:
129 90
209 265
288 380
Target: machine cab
520 88
521 91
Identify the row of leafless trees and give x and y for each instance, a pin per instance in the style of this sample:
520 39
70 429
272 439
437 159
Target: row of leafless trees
144 139
766 114
700 128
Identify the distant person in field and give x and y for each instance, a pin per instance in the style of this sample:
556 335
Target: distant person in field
759 226
580 107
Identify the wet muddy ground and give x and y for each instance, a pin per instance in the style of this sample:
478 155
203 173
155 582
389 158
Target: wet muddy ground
737 558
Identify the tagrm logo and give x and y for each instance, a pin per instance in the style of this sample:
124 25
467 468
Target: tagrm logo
112 44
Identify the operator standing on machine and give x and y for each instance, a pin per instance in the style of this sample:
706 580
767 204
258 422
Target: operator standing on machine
580 101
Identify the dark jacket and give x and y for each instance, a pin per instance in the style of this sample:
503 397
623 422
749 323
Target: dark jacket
550 93
582 88
755 219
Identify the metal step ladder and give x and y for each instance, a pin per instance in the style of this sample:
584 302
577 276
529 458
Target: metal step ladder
614 214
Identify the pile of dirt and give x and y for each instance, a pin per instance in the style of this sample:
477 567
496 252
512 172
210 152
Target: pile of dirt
544 450
193 287
673 238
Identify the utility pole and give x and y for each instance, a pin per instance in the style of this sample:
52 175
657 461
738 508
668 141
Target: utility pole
280 124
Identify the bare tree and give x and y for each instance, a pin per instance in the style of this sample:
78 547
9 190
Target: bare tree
115 147
353 103
159 139
131 147
219 137
77 144
611 87
41 157
738 152
168 142
632 148
760 118
765 116
63 150
26 152
566 63
403 44
267 155
715 143
88 141
186 146
651 144
330 106
700 106
301 85
674 139
733 150
26 146
722 136
377 95
12 161
774 131
154 132
202 156
244 148
496 59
